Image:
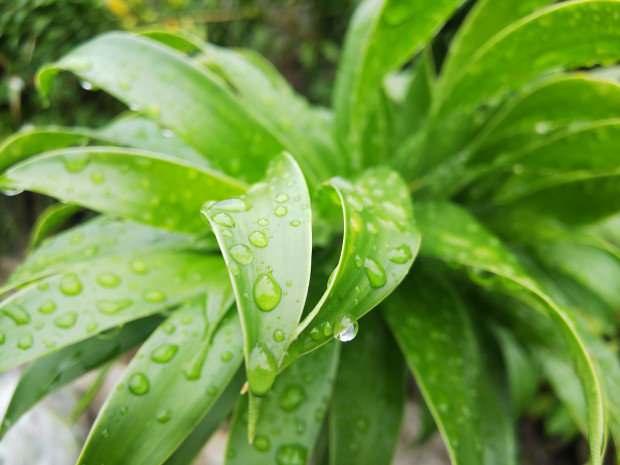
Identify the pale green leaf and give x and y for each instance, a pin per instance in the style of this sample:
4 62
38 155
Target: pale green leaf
49 221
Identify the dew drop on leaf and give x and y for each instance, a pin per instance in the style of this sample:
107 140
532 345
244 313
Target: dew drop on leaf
139 384
70 285
97 177
226 356
346 329
282 197
66 321
263 222
164 353
223 219
400 254
18 314
267 292
278 335
292 454
2 338
375 273
262 370
292 397
232 205
111 307
138 266
295 223
164 416
108 279
262 443
76 162
258 239
280 210
242 254
105 433
154 295
25 341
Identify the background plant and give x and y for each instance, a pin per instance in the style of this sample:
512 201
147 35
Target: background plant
499 179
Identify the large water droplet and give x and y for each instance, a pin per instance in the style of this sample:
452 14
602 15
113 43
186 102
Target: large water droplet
111 307
25 341
164 416
262 370
18 314
70 284
261 443
226 356
375 273
258 239
346 329
292 397
267 292
76 162
278 335
281 197
66 321
154 295
400 254
280 210
223 219
139 384
108 279
242 254
232 205
292 454
164 353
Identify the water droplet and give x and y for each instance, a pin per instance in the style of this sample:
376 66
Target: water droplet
154 295
108 279
292 454
375 273
124 410
70 284
372 228
315 334
356 202
227 233
212 390
400 254
164 353
327 329
292 397
300 426
18 314
226 356
358 261
223 219
25 341
163 416
278 335
169 328
66 321
97 177
139 384
346 329
44 286
261 443
267 292
295 223
11 192
242 254
76 162
356 222
138 266
281 197
76 239
262 222
105 433
362 424
262 370
111 307
2 338
86 85
258 239
280 210
231 205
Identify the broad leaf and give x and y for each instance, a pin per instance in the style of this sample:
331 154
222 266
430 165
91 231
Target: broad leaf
291 414
48 374
180 94
379 245
497 67
382 36
67 308
454 236
49 221
266 239
369 398
437 338
144 186
170 384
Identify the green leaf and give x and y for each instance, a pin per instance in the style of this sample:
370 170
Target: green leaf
95 239
382 36
292 414
437 338
195 441
49 221
170 384
486 19
144 186
369 398
64 309
544 41
266 239
287 115
51 372
380 243
454 236
179 93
